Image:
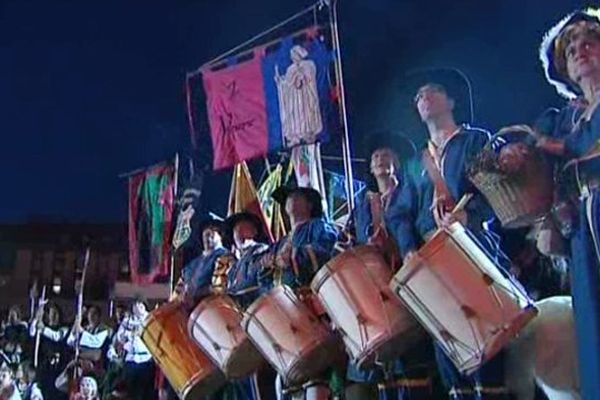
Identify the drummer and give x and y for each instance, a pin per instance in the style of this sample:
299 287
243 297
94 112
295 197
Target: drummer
239 279
408 378
295 259
570 56
196 276
436 181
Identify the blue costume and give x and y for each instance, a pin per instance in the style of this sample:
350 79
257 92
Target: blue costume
242 277
410 220
198 273
580 139
408 377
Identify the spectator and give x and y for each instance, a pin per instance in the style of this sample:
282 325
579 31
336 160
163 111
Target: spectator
26 382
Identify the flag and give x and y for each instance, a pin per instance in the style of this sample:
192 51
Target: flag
243 196
188 211
269 205
336 192
308 169
151 198
269 99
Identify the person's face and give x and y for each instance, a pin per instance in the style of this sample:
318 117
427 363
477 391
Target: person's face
139 308
432 102
6 378
211 238
297 206
93 316
13 315
119 313
383 162
583 57
242 231
87 388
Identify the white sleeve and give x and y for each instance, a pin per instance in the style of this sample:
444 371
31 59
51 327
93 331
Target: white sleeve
93 340
54 335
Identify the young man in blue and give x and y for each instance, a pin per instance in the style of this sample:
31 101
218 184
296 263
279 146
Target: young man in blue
425 206
570 55
295 259
407 378
196 276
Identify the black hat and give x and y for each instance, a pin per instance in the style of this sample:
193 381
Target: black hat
281 194
451 81
402 146
234 219
213 223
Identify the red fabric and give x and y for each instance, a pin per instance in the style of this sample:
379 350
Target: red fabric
237 112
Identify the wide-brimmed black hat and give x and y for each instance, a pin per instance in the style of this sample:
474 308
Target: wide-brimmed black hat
213 223
234 219
313 196
402 146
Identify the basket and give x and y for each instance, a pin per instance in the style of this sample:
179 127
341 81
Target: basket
519 199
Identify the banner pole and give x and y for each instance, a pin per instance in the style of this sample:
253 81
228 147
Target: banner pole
172 255
346 152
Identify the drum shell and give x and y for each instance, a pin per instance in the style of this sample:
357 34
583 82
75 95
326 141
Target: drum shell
462 299
375 325
290 336
190 372
215 325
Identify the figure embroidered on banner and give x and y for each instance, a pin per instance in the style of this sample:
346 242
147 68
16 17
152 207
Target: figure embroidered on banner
300 114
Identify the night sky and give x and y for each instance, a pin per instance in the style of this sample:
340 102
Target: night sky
92 89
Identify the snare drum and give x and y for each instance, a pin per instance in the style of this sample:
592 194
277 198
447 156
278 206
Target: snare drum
290 336
215 326
460 296
375 325
191 373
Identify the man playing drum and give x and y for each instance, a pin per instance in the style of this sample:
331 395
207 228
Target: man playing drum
295 259
435 183
407 378
570 55
196 276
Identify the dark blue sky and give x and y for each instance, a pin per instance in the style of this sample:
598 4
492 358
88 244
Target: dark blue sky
92 89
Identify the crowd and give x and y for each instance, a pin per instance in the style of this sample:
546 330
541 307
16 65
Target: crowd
42 357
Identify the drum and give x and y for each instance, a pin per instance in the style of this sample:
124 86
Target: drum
462 299
191 373
375 325
290 336
215 326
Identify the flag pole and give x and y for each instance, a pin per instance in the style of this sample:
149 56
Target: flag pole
172 255
333 21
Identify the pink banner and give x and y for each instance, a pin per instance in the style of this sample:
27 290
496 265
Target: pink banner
237 112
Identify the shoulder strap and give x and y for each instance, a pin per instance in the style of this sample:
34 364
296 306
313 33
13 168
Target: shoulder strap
440 188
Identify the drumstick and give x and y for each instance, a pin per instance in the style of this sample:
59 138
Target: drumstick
462 203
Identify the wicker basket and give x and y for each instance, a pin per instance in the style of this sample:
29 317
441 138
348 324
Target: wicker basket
521 199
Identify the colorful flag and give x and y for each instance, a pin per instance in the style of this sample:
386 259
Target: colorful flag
271 208
151 195
309 169
273 100
188 211
336 192
243 196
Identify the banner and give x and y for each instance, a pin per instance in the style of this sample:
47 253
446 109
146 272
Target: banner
276 99
151 198
243 196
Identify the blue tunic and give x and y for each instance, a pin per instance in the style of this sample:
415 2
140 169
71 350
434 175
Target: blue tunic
242 277
410 220
312 244
197 274
585 246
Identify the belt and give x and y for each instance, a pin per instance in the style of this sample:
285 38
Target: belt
405 382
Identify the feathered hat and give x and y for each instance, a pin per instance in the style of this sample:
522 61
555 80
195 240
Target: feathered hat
552 49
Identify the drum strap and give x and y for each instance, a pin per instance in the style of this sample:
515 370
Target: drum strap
440 189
